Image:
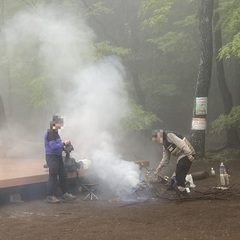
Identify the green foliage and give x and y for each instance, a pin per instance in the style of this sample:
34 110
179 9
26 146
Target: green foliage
231 49
139 119
105 48
165 90
230 23
39 90
171 41
98 9
187 21
230 16
224 122
155 11
226 155
25 75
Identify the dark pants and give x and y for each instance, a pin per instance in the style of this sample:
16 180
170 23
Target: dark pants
182 169
56 169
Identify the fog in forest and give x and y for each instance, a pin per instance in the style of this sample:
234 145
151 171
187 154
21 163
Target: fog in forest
92 110
100 63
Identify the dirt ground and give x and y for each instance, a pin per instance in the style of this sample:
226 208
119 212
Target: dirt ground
207 214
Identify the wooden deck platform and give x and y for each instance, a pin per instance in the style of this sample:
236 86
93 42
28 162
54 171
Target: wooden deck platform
18 172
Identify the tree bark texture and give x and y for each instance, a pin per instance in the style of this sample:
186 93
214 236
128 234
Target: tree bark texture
3 120
138 89
4 134
237 81
231 134
205 70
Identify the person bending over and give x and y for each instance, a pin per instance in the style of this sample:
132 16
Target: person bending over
175 145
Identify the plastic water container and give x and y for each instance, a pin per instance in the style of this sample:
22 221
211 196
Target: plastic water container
213 173
224 178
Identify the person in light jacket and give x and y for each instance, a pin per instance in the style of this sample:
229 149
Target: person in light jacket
178 146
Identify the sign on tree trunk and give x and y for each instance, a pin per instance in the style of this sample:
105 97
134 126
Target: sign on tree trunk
204 77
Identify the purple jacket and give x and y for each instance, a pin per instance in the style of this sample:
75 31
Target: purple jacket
53 143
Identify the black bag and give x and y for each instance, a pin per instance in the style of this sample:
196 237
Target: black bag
70 164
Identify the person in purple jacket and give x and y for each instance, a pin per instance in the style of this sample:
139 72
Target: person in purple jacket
53 150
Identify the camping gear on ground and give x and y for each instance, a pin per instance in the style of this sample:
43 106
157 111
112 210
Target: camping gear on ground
213 171
70 164
84 163
224 178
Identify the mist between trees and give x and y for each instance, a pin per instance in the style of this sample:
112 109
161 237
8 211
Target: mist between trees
114 69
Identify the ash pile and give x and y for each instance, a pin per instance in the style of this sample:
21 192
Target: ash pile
147 190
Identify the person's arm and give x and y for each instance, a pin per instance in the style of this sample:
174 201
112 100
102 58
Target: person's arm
56 144
180 143
164 161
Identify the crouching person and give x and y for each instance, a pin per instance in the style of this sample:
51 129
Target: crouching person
53 150
178 146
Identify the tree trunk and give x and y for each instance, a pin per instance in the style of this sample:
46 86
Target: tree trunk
138 89
3 120
231 134
237 81
203 78
4 134
5 57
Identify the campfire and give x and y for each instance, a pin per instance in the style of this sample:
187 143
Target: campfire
145 190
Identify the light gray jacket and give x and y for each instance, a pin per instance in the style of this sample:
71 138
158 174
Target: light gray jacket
184 148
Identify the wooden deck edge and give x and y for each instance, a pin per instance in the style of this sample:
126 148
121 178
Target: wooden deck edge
43 177
16 182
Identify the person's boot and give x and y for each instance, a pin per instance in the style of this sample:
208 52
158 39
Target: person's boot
182 192
68 197
170 187
52 199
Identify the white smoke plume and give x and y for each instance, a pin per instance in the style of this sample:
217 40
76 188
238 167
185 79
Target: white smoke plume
93 111
97 108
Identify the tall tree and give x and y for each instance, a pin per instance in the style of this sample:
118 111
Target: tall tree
3 119
171 28
230 25
204 76
4 133
6 68
231 134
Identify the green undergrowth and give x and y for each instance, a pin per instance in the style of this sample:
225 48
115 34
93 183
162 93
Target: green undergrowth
226 155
